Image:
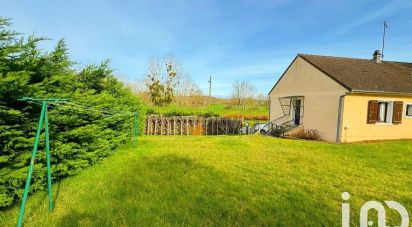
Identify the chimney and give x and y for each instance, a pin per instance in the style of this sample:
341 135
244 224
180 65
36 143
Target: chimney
377 56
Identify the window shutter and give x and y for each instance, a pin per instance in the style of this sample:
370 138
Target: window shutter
397 112
373 107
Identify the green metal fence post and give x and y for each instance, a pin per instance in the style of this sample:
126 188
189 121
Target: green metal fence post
135 127
33 156
49 185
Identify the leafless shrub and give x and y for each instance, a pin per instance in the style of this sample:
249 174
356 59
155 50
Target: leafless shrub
311 134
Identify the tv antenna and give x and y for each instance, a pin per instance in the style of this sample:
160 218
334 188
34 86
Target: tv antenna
385 26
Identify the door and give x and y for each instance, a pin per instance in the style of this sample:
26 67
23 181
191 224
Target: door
296 116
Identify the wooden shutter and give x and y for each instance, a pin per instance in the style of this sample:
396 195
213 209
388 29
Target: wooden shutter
373 107
397 112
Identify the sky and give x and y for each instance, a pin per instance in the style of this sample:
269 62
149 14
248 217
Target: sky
229 40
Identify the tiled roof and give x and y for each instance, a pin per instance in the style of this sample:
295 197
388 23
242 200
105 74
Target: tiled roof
365 74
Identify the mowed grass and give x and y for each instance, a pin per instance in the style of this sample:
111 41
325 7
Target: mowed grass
227 180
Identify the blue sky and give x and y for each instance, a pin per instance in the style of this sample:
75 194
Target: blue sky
230 40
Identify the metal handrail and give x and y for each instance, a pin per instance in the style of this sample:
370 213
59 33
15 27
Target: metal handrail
274 122
278 127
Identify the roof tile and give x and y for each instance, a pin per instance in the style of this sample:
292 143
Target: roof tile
365 74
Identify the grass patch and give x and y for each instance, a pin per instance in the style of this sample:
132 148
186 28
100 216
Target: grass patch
227 180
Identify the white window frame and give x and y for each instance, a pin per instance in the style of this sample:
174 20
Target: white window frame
389 112
406 106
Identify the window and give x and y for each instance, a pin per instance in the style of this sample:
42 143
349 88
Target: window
408 112
385 111
380 111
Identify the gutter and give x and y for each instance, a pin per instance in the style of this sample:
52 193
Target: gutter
340 117
270 104
380 92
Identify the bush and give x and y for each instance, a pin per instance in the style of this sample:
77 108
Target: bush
82 131
311 134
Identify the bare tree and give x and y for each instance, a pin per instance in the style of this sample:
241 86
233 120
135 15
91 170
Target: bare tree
137 86
249 92
167 82
242 92
237 93
263 99
186 90
161 79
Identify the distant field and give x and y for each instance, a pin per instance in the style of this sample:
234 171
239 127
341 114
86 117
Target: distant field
252 112
227 181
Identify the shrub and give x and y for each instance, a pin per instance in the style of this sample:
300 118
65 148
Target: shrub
311 134
82 131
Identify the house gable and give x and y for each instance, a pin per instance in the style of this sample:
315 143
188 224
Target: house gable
303 74
320 97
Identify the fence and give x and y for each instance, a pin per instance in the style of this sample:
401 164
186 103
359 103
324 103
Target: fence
191 125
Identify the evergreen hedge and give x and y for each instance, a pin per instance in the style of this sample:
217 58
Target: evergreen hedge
86 129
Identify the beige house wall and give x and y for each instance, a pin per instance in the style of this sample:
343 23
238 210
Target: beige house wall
354 120
321 97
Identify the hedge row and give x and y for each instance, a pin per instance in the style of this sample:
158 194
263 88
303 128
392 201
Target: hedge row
83 131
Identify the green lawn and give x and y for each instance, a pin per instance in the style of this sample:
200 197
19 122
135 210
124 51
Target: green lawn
227 180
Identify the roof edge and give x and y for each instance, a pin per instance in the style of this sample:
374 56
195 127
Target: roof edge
283 74
353 58
380 92
324 72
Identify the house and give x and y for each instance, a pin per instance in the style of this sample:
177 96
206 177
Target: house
345 99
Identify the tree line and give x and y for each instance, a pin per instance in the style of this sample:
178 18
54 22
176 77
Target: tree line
166 83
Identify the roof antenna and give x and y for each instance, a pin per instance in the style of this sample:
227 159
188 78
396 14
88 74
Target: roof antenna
385 26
